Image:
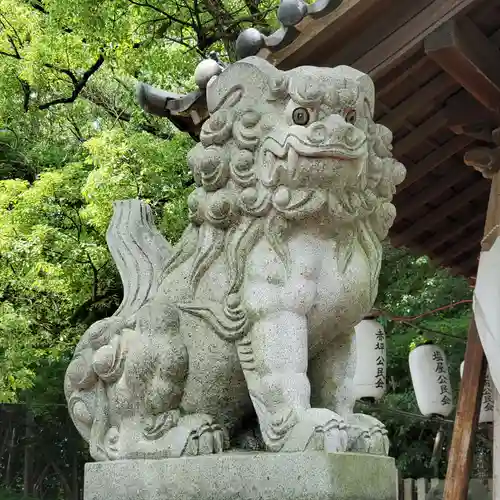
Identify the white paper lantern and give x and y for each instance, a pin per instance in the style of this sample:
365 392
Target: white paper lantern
431 380
371 361
487 404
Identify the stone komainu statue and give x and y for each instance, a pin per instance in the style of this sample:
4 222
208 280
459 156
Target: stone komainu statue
253 310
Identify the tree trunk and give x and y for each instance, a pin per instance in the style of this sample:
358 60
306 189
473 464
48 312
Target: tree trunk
64 482
28 454
5 441
74 478
39 482
8 468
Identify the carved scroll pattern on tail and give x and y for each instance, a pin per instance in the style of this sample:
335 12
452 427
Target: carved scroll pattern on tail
139 251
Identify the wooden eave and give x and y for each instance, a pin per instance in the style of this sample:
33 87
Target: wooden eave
436 67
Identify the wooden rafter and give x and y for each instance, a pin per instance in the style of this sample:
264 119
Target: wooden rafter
462 109
396 15
406 125
403 36
420 134
464 53
332 29
432 90
446 234
408 37
428 221
460 248
396 76
459 114
470 267
431 161
406 208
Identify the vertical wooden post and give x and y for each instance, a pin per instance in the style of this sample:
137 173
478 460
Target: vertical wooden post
466 418
471 388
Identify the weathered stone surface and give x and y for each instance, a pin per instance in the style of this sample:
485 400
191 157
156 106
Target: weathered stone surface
246 476
253 310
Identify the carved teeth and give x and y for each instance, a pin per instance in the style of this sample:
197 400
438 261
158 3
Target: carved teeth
293 160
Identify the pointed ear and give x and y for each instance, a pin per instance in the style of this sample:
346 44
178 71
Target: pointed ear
364 82
251 78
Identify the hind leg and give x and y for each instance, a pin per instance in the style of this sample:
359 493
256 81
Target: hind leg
332 375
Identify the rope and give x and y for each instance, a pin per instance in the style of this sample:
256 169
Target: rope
489 233
423 315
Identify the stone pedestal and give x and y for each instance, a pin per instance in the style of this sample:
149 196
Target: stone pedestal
246 476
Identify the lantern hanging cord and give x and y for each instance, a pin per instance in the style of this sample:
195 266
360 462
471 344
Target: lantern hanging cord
423 315
403 413
433 332
416 416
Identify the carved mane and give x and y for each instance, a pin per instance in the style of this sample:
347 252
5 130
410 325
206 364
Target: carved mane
238 199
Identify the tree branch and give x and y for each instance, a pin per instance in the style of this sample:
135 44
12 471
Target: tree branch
125 116
15 56
162 12
78 87
73 78
37 5
26 94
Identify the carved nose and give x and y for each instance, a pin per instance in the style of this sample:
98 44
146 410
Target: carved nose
318 133
352 136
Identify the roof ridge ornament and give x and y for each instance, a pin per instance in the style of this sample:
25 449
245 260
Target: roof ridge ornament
187 112
290 14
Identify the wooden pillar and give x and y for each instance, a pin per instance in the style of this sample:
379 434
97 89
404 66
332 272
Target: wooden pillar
471 388
466 419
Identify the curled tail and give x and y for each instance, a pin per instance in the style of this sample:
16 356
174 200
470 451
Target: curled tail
139 251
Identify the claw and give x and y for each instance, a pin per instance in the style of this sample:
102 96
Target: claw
192 446
206 443
317 429
335 440
218 441
367 435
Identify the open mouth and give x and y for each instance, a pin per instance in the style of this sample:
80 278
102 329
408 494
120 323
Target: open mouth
285 158
293 146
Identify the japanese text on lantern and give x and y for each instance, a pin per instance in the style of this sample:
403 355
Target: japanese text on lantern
380 361
442 377
487 395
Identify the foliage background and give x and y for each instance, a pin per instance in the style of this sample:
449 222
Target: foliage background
72 140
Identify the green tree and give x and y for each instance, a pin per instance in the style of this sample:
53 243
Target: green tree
73 140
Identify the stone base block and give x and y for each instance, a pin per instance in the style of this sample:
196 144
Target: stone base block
245 476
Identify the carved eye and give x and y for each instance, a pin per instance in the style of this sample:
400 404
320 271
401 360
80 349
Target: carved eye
350 116
300 116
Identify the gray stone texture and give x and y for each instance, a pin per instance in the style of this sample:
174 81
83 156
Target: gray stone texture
246 476
252 312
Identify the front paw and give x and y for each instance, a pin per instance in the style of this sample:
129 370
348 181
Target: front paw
367 435
205 436
317 429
